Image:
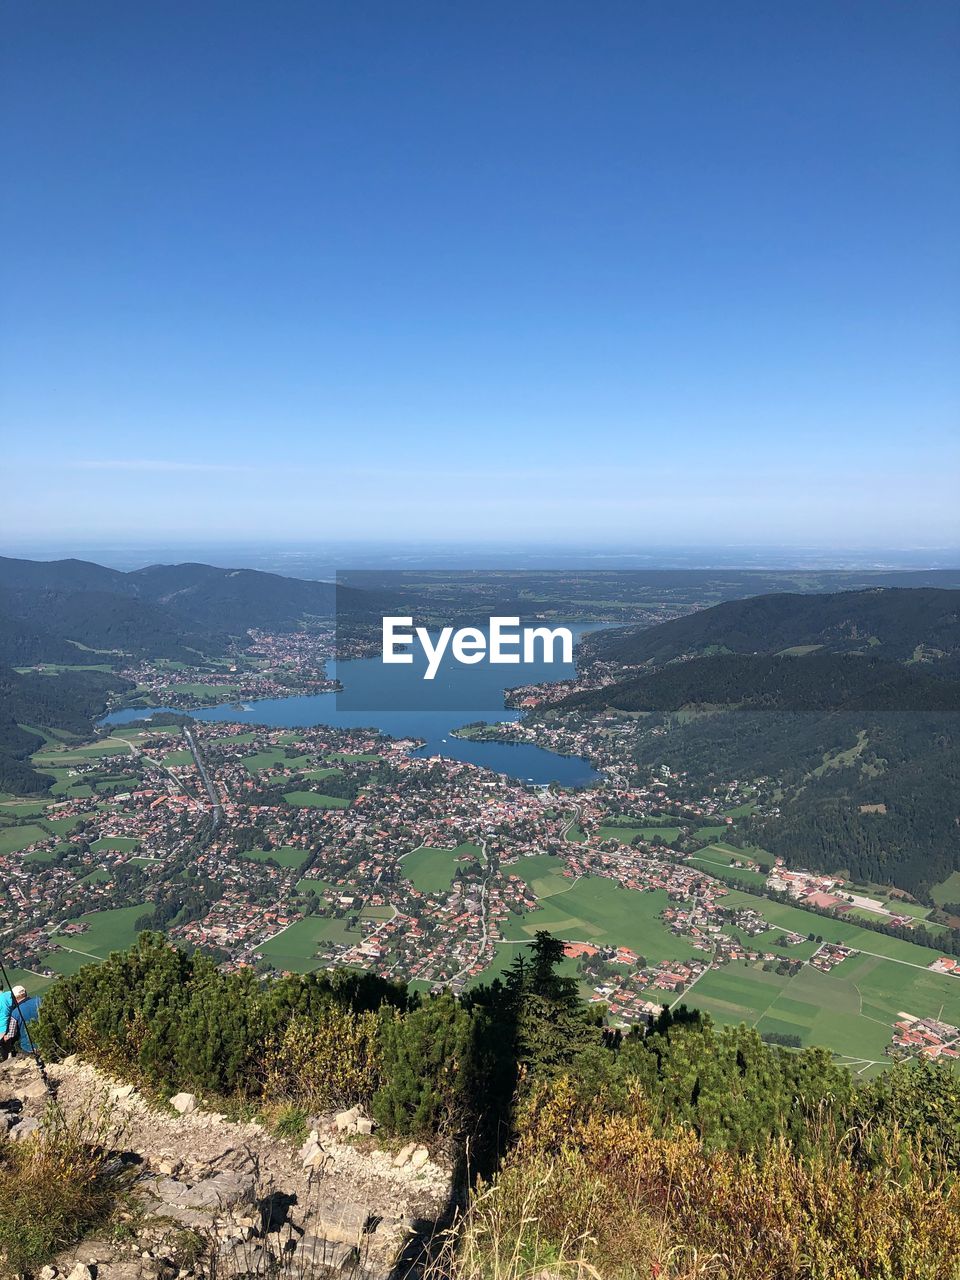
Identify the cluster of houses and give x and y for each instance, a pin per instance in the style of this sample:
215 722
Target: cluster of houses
829 954
272 666
924 1037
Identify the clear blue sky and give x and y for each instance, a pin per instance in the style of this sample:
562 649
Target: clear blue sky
603 272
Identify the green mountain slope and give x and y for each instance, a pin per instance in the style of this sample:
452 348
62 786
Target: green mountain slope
856 745
889 622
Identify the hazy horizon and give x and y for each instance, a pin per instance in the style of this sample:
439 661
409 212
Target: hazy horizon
325 559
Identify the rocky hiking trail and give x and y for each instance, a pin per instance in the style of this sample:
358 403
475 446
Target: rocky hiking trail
259 1205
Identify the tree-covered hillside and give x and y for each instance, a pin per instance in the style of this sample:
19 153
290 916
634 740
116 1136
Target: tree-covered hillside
888 622
150 609
71 702
845 705
815 682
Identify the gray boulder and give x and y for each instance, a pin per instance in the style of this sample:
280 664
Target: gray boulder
222 1191
23 1128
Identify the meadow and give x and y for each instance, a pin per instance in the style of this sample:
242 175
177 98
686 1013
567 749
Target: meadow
21 809
717 859
112 930
948 891
13 839
850 1010
432 870
60 826
295 949
35 983
79 755
595 909
315 800
117 844
829 929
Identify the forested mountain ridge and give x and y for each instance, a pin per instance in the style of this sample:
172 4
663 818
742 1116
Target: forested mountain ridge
69 702
896 623
813 682
197 597
49 608
858 740
50 625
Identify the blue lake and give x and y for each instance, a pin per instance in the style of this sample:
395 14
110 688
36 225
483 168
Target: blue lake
398 701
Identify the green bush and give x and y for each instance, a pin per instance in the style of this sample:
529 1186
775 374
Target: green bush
429 1061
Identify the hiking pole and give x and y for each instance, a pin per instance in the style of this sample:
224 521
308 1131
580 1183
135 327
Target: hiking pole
41 1067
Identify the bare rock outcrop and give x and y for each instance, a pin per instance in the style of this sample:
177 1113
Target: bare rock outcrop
251 1203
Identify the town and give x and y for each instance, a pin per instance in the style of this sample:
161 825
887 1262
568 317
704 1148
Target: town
289 850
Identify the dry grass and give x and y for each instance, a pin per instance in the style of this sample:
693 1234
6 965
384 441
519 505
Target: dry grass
611 1197
55 1186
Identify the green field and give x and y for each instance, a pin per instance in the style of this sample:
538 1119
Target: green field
717 859
948 891
56 668
376 913
35 984
296 948
543 873
740 811
595 909
109 931
197 690
626 835
315 800
13 839
59 826
175 758
64 785
848 932
96 877
116 844
40 855
66 962
710 834
23 809
102 781
668 834
286 855
432 870
850 1010
320 887
79 755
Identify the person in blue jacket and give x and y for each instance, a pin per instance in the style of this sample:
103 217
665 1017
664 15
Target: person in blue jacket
11 1020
